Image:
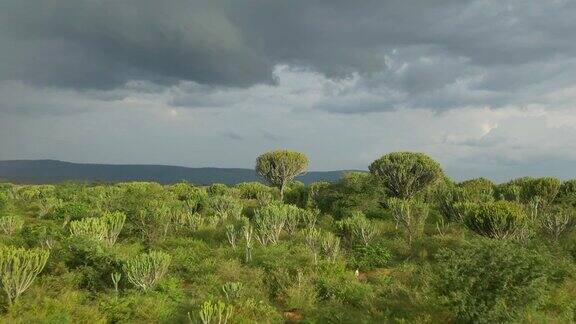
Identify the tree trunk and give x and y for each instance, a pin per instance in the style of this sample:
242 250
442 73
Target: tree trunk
282 191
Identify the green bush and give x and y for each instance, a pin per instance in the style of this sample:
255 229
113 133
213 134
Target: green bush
93 262
99 229
4 200
11 224
144 271
368 257
567 193
500 219
195 198
357 229
544 189
72 211
478 190
251 190
491 281
218 189
451 198
55 299
269 223
225 207
411 215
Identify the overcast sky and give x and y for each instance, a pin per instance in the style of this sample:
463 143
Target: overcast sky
485 87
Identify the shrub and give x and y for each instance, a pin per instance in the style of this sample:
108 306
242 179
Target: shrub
145 270
4 200
478 190
330 245
264 198
567 193
368 257
156 217
18 269
215 312
452 199
195 198
509 191
28 194
544 190
301 294
358 228
91 228
411 215
232 235
445 196
557 221
232 290
500 219
218 189
247 233
105 228
113 223
225 207
359 191
491 281
71 211
251 190
269 222
293 217
11 224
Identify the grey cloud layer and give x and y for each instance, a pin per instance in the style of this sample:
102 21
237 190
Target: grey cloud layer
424 54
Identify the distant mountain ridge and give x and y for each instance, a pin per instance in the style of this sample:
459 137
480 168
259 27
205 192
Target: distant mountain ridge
53 171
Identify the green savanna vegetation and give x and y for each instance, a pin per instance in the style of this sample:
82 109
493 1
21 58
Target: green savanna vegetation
402 243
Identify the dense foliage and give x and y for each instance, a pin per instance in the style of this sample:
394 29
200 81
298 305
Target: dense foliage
402 243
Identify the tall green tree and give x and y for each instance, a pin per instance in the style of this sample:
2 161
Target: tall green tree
280 167
404 174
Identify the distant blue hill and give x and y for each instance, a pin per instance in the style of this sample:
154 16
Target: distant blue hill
52 171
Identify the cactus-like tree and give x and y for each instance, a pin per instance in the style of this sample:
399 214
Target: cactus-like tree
18 269
215 312
270 221
145 270
232 290
557 221
11 224
91 228
358 228
280 167
501 219
116 276
102 229
293 218
232 235
404 174
225 207
113 223
330 245
410 214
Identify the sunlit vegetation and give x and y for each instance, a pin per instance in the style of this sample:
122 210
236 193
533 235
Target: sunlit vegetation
402 243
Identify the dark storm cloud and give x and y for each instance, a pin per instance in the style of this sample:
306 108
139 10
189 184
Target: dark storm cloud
438 54
103 44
